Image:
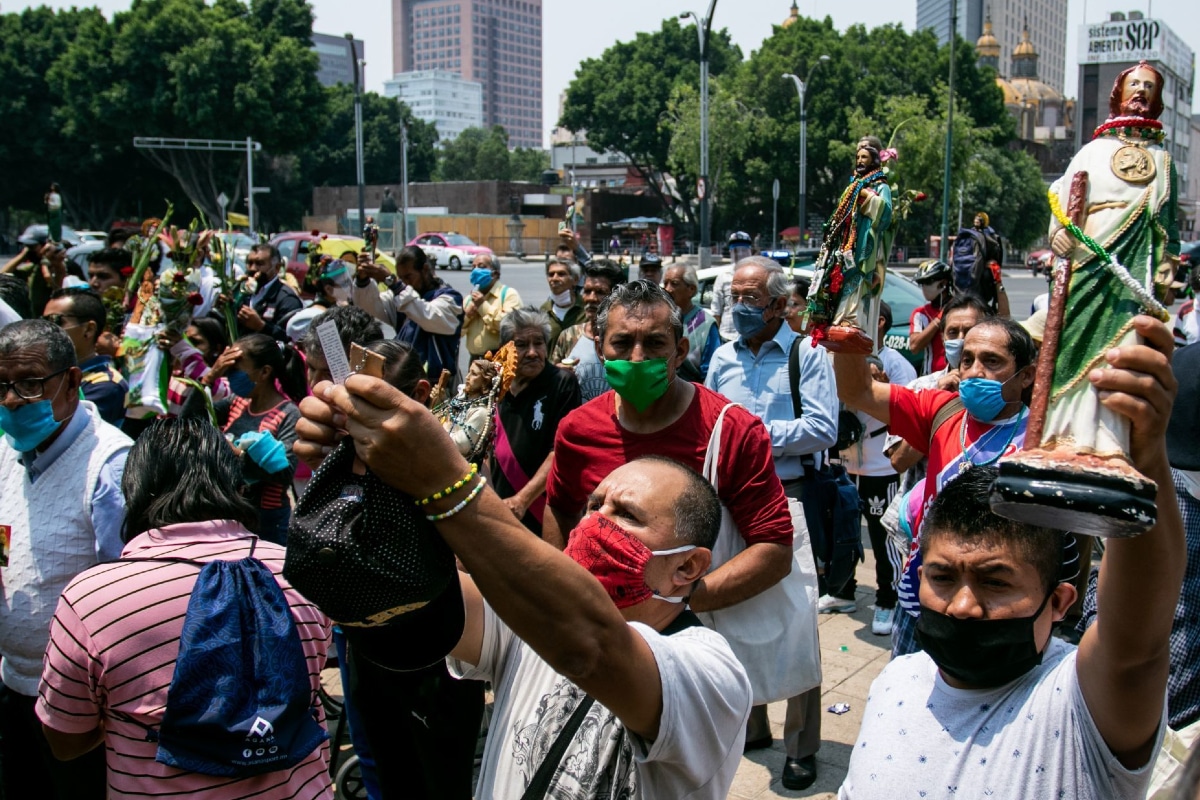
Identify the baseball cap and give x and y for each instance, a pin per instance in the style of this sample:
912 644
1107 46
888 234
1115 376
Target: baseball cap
34 235
363 553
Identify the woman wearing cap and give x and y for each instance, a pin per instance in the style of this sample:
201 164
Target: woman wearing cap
267 379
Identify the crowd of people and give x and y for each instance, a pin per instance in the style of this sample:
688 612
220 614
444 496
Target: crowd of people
624 484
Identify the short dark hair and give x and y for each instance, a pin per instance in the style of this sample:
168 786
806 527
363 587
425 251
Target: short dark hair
633 295
354 325
115 258
402 366
38 334
606 270
414 254
1020 343
963 511
15 292
271 250
163 489
214 332
885 313
286 365
967 299
697 509
86 305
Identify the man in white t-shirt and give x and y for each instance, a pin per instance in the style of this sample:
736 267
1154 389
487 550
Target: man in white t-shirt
607 619
994 706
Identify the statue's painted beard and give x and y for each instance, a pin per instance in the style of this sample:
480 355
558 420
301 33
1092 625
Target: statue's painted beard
863 169
1136 106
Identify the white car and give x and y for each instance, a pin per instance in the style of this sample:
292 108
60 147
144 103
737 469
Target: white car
92 236
451 250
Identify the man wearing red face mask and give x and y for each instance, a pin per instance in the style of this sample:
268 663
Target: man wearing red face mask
598 655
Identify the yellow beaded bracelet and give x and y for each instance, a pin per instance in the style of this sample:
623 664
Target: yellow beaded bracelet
449 490
466 501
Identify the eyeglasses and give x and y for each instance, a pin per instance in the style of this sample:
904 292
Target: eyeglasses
28 388
748 299
58 319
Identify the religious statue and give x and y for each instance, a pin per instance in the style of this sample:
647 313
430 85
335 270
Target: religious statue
853 258
1117 247
470 415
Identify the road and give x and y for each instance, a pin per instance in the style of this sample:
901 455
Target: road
529 280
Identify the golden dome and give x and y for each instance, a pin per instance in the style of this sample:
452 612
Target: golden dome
1029 90
988 45
1025 48
793 16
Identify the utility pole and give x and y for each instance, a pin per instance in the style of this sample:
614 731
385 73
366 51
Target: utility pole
358 134
703 26
943 245
802 90
403 183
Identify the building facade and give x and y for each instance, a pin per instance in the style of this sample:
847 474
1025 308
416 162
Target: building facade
495 43
1047 21
1108 48
442 97
337 61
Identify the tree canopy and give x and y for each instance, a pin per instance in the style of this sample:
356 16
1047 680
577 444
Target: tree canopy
482 154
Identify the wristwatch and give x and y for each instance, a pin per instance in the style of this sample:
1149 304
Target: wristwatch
389 281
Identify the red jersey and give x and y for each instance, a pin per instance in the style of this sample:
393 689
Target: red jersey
591 443
935 352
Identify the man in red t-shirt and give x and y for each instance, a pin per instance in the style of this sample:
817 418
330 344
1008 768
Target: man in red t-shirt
996 367
640 337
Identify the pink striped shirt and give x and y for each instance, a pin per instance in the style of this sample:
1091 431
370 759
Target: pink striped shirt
113 645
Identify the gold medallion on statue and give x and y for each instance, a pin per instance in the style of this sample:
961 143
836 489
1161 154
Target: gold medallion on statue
1133 164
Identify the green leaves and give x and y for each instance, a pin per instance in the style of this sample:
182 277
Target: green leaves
482 154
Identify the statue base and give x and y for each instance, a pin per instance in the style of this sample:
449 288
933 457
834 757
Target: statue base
847 339
1076 492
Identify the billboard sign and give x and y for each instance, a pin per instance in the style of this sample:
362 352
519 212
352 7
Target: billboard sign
1133 40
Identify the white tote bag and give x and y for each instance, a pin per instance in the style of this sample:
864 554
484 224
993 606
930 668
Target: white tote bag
773 634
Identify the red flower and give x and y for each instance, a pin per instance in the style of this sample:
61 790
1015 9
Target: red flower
315 232
818 333
180 278
835 280
920 196
195 299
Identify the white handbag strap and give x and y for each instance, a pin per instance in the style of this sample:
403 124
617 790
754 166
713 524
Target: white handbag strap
713 456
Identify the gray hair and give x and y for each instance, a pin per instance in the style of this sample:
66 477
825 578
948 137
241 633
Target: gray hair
38 334
635 295
492 263
689 274
573 268
778 283
521 318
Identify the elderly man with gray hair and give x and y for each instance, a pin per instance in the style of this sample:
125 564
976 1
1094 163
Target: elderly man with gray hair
700 328
489 301
754 370
540 396
564 307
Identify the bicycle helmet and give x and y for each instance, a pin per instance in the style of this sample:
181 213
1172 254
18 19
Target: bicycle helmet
932 270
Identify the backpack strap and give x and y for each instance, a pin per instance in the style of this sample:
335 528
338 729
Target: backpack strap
794 377
944 414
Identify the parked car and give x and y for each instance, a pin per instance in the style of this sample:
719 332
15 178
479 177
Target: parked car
450 249
900 293
69 237
92 236
1039 261
295 246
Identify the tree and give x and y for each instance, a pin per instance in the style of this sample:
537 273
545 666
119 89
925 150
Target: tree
620 97
482 154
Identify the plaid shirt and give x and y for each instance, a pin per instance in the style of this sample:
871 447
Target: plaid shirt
1183 682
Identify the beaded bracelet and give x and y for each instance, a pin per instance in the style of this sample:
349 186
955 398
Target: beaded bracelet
466 501
449 490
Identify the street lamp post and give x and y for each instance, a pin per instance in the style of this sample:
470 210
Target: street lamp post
943 245
358 133
801 89
703 26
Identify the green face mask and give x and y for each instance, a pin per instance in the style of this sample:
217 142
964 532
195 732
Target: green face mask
639 383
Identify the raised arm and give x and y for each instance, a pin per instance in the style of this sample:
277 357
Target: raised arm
857 389
1124 658
565 615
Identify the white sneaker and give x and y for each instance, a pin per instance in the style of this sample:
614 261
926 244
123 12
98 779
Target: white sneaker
828 604
881 623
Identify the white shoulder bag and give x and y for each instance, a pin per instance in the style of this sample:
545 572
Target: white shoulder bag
774 633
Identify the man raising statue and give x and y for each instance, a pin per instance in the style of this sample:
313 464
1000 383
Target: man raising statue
1115 221
853 257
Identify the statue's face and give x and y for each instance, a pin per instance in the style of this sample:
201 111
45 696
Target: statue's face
1136 94
863 162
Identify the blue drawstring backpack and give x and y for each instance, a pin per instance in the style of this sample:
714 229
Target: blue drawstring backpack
240 703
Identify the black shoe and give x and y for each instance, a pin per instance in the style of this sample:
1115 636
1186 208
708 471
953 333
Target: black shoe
758 744
799 773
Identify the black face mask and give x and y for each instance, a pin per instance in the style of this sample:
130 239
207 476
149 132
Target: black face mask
981 653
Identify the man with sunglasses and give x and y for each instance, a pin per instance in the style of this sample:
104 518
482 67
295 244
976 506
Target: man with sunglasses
61 512
81 315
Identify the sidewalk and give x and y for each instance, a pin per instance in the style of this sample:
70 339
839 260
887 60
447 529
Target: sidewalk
851 657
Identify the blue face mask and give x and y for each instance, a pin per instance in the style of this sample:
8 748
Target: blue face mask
29 425
481 277
748 320
240 383
953 352
983 397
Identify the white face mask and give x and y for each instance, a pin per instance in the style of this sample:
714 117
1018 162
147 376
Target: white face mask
1191 480
562 299
931 290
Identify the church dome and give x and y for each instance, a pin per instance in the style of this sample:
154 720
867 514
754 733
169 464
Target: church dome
988 45
793 16
1025 47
